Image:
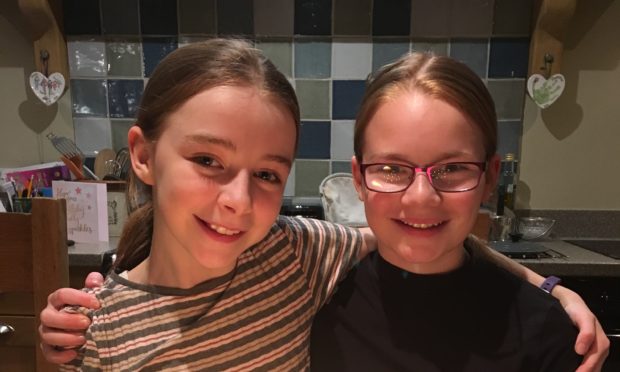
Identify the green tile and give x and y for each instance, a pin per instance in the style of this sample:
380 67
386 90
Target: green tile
352 17
314 98
280 53
197 17
309 175
124 58
508 95
119 133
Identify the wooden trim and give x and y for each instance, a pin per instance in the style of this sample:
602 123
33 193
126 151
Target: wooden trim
551 19
43 19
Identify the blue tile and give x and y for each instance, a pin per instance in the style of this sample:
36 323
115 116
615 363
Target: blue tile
155 49
347 96
313 59
313 17
314 140
509 57
235 17
472 52
124 97
509 137
158 17
391 18
120 17
387 51
88 97
81 17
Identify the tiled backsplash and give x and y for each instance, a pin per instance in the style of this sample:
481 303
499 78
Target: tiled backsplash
326 47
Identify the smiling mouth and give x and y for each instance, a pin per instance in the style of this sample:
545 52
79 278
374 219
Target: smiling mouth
223 231
422 226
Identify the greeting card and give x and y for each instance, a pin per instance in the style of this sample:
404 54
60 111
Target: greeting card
87 210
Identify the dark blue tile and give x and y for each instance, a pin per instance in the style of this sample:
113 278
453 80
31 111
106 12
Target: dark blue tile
120 17
81 17
509 57
158 17
313 17
314 140
235 17
155 49
124 97
88 97
347 98
391 17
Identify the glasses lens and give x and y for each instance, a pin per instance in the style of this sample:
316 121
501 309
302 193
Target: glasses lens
455 176
387 177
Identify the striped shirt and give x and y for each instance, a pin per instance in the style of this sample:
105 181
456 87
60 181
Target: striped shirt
258 317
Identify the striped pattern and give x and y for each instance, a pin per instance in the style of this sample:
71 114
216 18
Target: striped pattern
256 318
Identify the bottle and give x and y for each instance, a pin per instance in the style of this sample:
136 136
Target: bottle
508 181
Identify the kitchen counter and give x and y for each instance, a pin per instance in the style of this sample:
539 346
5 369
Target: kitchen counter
577 261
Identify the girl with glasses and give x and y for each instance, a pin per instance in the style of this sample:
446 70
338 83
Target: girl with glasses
425 143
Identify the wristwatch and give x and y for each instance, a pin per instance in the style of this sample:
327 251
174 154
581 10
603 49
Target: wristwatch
550 283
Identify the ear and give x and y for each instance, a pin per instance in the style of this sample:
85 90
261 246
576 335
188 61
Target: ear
357 178
491 176
141 153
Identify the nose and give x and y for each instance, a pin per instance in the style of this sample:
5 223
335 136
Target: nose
235 195
421 191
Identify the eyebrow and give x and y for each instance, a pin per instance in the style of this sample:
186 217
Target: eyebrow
206 139
389 156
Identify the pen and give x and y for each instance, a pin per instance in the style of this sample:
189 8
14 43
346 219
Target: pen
29 194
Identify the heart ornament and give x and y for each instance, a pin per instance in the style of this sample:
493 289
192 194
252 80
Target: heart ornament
545 91
48 89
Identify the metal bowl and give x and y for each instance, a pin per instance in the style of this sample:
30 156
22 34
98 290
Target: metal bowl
535 227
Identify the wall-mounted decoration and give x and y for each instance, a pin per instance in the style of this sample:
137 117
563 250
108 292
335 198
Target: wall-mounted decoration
47 88
545 91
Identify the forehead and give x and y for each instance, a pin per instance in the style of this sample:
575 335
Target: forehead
420 127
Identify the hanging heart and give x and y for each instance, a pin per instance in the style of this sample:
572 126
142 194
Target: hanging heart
48 89
544 92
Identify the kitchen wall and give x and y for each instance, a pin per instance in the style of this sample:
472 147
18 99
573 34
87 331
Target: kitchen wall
327 48
571 150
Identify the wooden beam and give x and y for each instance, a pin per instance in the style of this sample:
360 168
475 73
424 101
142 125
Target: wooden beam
551 19
46 31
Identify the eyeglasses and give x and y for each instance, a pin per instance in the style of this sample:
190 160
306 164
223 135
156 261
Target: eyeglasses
448 177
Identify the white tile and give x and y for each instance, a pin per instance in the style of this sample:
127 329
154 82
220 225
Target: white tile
92 134
351 60
342 139
289 190
86 58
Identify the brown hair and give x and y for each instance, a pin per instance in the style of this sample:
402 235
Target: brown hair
178 77
436 76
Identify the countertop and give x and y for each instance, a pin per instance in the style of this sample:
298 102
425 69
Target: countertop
577 261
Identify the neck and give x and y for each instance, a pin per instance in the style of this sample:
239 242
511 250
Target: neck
438 265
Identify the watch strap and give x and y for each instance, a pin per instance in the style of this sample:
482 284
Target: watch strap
550 283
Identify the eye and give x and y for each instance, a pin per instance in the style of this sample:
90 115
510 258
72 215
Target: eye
268 176
206 161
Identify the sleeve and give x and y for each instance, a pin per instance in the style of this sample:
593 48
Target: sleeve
557 341
326 252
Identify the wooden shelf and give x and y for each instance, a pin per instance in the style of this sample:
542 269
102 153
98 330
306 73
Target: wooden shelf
551 19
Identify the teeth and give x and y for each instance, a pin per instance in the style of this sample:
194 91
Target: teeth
421 225
223 230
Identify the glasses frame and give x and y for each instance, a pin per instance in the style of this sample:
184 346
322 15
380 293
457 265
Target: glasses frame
427 170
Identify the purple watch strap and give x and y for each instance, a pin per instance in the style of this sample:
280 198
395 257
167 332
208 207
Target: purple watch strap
549 283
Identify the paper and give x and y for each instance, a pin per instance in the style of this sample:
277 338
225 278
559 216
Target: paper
544 92
87 210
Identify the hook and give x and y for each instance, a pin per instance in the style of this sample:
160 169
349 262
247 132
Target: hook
44 55
547 67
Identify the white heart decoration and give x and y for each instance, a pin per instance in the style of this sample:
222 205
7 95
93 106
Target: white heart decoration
544 92
48 89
